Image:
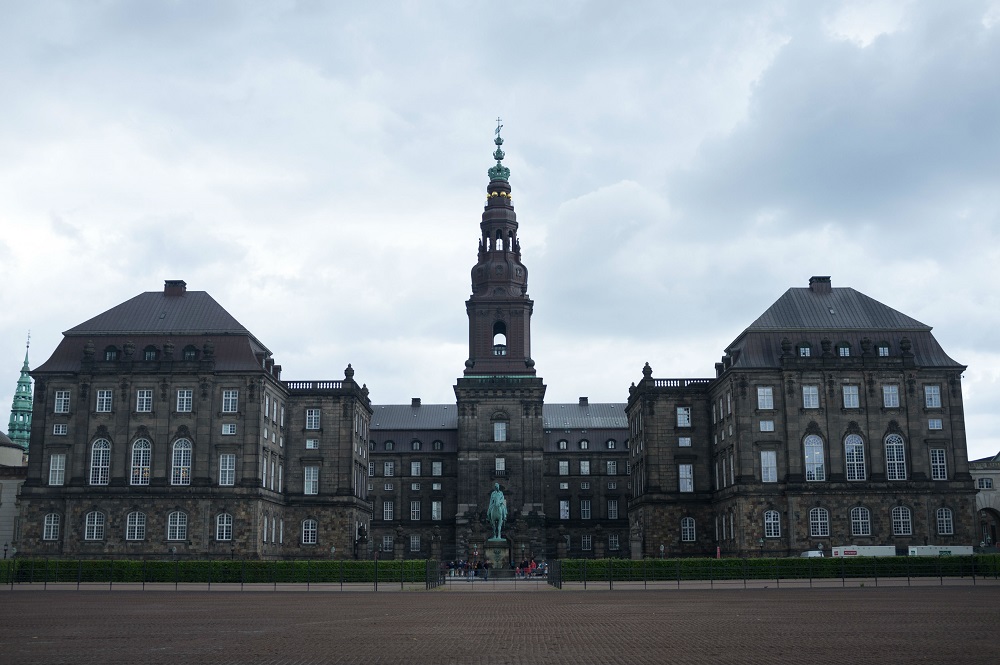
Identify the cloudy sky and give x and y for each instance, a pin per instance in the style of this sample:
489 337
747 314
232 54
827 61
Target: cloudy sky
320 168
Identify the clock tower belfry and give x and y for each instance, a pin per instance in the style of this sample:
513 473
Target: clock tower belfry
500 427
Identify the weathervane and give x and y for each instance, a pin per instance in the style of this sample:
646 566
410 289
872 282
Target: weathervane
499 171
499 127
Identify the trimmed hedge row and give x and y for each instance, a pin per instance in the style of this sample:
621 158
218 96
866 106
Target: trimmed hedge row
626 570
216 572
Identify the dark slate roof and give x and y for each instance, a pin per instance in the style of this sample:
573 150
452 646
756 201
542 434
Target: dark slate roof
837 309
756 349
445 416
232 353
584 416
155 313
407 417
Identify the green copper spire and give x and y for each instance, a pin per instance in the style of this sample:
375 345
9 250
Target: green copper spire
498 172
19 428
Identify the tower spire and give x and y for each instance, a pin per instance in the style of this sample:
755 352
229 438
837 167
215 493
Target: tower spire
19 427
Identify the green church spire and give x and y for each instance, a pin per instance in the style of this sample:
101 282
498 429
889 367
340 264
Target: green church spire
19 428
499 171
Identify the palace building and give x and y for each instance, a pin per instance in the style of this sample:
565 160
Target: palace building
163 427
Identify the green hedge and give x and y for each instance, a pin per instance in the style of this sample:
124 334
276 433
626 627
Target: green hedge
217 572
624 570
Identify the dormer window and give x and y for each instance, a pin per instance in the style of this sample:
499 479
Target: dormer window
805 351
388 445
883 349
190 353
150 353
844 350
111 353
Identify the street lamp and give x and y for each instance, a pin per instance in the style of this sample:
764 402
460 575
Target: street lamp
760 541
661 551
5 550
333 551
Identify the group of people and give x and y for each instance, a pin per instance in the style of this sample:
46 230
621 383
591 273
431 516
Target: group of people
470 570
528 568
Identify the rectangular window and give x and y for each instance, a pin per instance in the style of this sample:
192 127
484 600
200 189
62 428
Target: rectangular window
612 509
51 529
415 469
612 467
772 524
684 442
94 529
844 351
612 485
939 464
227 469
312 419
765 397
563 467
184 399
415 543
224 527
387 487
436 487
768 466
230 399
60 430
810 397
890 396
62 401
388 510
932 397
414 510
564 486
850 397
135 526
371 469
414 487
684 416
144 401
614 544
437 468
585 509
935 423
685 475
984 483
435 510
584 467
585 485
229 429
564 509
805 351
387 544
104 401
57 469
311 476
499 431
586 542
767 426
388 469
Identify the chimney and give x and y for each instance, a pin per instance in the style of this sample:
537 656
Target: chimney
174 287
583 401
415 401
820 284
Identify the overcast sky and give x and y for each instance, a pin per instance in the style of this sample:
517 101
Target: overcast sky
320 169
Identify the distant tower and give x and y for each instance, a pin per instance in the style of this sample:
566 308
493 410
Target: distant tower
19 429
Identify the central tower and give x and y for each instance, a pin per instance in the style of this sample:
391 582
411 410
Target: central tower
500 431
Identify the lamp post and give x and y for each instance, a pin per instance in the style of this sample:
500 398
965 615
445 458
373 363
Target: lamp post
760 541
661 551
232 553
5 550
333 552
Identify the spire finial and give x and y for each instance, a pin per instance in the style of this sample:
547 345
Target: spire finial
499 171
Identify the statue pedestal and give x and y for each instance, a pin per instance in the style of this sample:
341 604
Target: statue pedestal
497 552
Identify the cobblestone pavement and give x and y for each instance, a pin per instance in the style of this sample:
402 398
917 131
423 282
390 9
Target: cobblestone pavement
845 626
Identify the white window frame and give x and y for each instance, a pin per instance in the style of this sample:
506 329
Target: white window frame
499 431
104 401
415 468
94 523
585 467
612 509
772 524
765 398
50 526
312 444
932 396
854 458
227 469
585 509
228 429
851 396
223 527
313 419
861 521
895 457
135 526
819 523
810 397
310 531
100 462
564 509
685 478
144 400
414 510
414 542
939 464
611 467
310 480
388 469
185 400
984 483
687 530
814 453
902 521
57 470
935 424
230 400
62 402
563 467
683 442
177 524
768 466
945 522
890 396
388 510
684 416
181 455
436 510
437 469
142 460
586 542
60 429
766 425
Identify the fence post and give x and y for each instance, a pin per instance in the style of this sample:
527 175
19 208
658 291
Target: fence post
46 585
209 574
79 572
843 573
243 572
875 569
341 574
177 572
111 573
678 569
143 574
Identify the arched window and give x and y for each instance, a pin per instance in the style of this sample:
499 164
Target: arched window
772 524
815 458
414 445
177 525
819 523
611 444
135 526
563 444
389 445
180 466
902 523
50 530
687 530
223 526
895 458
854 457
584 444
945 522
142 451
309 529
100 462
499 338
94 526
861 521
438 445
